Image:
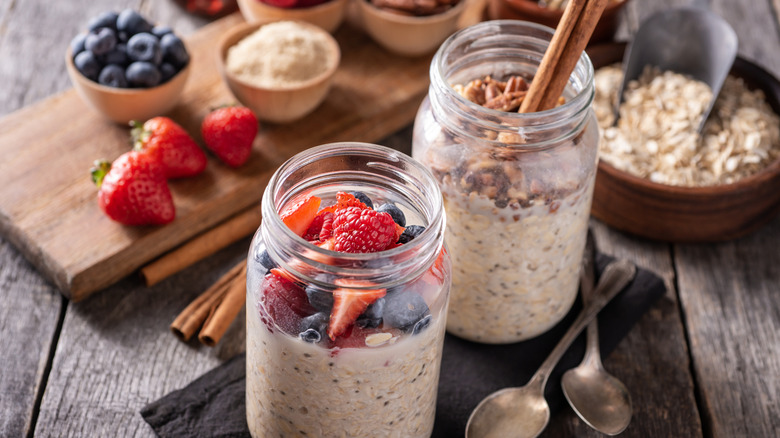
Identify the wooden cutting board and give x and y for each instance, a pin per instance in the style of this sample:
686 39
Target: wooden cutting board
48 205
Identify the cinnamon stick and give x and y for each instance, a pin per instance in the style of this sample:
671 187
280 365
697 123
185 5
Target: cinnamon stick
552 56
571 55
193 316
227 232
219 320
569 40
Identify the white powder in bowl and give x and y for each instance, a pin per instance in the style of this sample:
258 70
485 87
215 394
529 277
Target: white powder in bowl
280 54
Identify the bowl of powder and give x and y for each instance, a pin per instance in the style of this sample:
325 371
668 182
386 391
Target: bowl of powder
280 70
659 178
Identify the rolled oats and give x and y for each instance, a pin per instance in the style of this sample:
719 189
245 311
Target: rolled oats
656 135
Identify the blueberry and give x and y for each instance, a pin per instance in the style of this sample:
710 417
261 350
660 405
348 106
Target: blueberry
106 19
77 44
422 324
174 51
132 22
159 31
313 328
372 317
100 41
265 261
362 197
113 75
410 233
117 56
144 47
87 63
143 74
395 212
319 298
404 309
122 37
168 71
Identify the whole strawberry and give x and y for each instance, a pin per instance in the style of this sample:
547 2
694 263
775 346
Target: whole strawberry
170 145
229 132
133 190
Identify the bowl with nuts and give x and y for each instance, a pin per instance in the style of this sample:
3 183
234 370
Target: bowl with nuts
660 178
549 13
410 28
127 68
327 14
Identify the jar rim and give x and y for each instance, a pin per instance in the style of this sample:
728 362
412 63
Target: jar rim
339 263
524 123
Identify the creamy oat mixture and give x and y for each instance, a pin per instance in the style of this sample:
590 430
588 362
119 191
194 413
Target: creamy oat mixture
515 270
350 392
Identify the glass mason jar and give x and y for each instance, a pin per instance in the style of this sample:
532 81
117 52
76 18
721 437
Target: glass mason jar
380 377
517 187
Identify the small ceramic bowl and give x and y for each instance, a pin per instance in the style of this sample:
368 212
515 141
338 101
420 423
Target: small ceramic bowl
328 15
280 104
125 104
530 10
688 214
407 35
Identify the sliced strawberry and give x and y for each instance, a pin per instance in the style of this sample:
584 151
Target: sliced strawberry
321 227
398 231
344 200
299 214
349 303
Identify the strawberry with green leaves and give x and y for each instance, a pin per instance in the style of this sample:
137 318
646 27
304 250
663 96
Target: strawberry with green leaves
170 145
133 190
229 132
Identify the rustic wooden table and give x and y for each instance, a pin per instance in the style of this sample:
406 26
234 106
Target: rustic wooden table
705 361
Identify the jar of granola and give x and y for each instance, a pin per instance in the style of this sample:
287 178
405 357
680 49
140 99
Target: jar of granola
345 327
517 187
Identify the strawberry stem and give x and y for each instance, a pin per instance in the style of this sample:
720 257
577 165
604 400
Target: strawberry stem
139 136
99 171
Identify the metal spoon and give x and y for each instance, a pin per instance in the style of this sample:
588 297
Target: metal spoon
601 400
692 41
523 412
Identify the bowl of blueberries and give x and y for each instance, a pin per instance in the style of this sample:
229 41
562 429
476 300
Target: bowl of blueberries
127 68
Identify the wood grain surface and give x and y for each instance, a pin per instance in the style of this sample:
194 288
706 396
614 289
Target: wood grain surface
48 206
704 362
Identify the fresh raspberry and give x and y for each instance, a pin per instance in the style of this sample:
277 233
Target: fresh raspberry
344 200
285 302
359 230
321 227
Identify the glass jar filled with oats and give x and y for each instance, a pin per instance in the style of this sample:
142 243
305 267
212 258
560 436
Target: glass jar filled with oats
517 187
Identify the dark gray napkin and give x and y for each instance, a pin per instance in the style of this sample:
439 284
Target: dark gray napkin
214 404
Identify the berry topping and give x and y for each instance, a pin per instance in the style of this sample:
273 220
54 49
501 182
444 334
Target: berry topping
285 302
314 327
372 317
344 200
349 303
299 215
410 233
359 230
394 212
362 197
265 261
319 298
404 309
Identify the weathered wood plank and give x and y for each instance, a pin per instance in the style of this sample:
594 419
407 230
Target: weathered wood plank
653 360
729 291
116 353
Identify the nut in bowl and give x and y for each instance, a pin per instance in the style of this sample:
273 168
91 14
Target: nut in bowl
280 70
408 29
126 68
727 193
327 14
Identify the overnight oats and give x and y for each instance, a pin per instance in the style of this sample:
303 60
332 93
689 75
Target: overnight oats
347 291
517 187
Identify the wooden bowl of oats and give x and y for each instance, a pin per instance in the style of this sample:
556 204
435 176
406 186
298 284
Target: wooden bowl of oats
719 186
